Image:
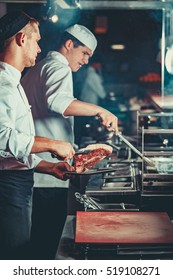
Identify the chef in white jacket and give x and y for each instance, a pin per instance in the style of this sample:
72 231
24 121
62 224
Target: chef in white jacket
19 36
49 87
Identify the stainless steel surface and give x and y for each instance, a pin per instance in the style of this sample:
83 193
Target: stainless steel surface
122 180
160 131
117 148
117 185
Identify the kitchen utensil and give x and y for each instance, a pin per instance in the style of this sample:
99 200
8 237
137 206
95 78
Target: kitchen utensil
113 145
147 160
80 152
88 201
94 171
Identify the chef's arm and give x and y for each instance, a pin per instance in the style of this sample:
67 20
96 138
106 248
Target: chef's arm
63 149
57 170
80 108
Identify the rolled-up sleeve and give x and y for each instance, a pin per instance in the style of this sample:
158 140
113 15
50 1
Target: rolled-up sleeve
58 88
36 160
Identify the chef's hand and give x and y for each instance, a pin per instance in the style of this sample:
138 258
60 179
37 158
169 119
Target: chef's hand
62 150
59 170
109 120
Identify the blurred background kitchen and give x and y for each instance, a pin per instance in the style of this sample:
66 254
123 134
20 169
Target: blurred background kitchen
134 62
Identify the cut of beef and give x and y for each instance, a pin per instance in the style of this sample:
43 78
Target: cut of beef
97 152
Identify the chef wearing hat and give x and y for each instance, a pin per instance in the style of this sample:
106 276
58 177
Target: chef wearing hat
12 23
16 133
19 36
49 87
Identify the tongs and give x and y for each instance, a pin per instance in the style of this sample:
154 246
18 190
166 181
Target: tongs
88 201
146 159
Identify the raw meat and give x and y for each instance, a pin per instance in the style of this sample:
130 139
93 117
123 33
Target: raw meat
97 152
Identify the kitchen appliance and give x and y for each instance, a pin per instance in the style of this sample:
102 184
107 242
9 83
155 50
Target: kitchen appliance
116 190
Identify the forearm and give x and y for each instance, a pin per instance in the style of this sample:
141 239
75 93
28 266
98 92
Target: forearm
42 144
80 108
45 167
63 150
57 170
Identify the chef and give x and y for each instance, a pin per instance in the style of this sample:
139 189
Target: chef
49 88
19 36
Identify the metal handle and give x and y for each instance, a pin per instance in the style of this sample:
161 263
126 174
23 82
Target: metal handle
87 201
147 160
130 145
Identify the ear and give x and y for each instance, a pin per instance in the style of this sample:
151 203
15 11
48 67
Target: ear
69 44
20 38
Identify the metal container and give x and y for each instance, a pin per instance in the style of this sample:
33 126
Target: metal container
164 165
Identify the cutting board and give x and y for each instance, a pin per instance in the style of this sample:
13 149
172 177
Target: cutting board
123 227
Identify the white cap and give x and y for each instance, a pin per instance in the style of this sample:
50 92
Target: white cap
84 35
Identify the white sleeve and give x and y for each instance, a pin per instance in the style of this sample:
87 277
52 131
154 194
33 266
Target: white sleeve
58 88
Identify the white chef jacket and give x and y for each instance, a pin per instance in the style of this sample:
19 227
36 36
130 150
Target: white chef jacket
49 88
16 122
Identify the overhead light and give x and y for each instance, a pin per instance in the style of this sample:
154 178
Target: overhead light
119 47
49 12
54 18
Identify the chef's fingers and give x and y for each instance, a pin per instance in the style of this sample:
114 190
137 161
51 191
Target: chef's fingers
112 125
109 120
69 156
64 154
60 169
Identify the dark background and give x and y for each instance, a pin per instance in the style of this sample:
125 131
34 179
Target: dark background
139 30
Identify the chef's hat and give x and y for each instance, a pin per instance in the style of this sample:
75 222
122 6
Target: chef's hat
12 23
84 35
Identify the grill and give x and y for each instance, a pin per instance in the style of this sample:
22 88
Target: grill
123 179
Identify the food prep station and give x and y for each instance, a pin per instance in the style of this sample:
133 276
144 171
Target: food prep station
135 188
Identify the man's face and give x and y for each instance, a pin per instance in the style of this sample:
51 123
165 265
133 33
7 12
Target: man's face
78 57
32 48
